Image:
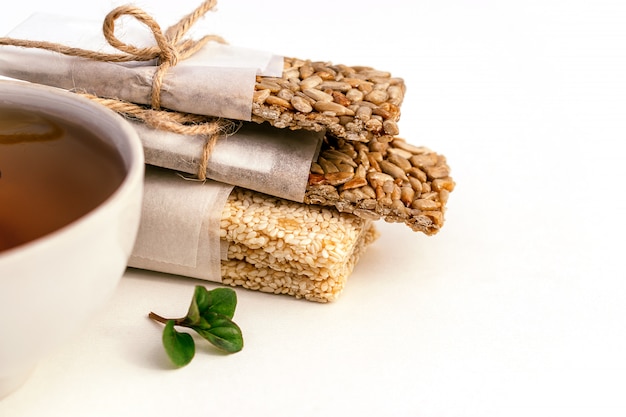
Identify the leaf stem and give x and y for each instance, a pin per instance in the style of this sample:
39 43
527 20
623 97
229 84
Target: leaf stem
161 319
156 317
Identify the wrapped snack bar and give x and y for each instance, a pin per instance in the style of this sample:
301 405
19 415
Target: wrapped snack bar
391 180
245 238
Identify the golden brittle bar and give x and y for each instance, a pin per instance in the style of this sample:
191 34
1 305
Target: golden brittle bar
283 247
394 181
353 103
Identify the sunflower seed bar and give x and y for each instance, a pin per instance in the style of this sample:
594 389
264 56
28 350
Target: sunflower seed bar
353 103
283 247
392 180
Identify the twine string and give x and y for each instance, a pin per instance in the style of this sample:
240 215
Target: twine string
170 48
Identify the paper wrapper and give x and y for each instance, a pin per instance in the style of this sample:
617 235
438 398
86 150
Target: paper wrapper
179 232
226 73
260 242
273 161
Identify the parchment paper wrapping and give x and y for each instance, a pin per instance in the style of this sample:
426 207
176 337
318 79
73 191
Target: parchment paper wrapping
226 73
260 242
258 157
179 231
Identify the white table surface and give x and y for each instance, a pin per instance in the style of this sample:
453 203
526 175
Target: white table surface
516 308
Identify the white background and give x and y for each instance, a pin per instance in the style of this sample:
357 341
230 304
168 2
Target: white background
516 308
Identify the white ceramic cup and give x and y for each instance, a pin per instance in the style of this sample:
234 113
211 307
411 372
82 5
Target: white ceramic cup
52 286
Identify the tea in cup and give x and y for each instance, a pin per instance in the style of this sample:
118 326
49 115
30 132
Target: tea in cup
71 181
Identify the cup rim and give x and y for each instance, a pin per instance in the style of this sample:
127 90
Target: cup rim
133 161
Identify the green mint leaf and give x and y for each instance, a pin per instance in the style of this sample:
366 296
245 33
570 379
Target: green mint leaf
199 303
223 333
201 324
210 315
202 297
222 301
179 347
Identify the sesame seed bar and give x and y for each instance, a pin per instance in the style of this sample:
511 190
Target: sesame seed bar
283 247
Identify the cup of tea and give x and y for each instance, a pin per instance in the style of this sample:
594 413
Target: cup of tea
71 182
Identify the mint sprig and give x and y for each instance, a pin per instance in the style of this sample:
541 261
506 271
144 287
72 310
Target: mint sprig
210 315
